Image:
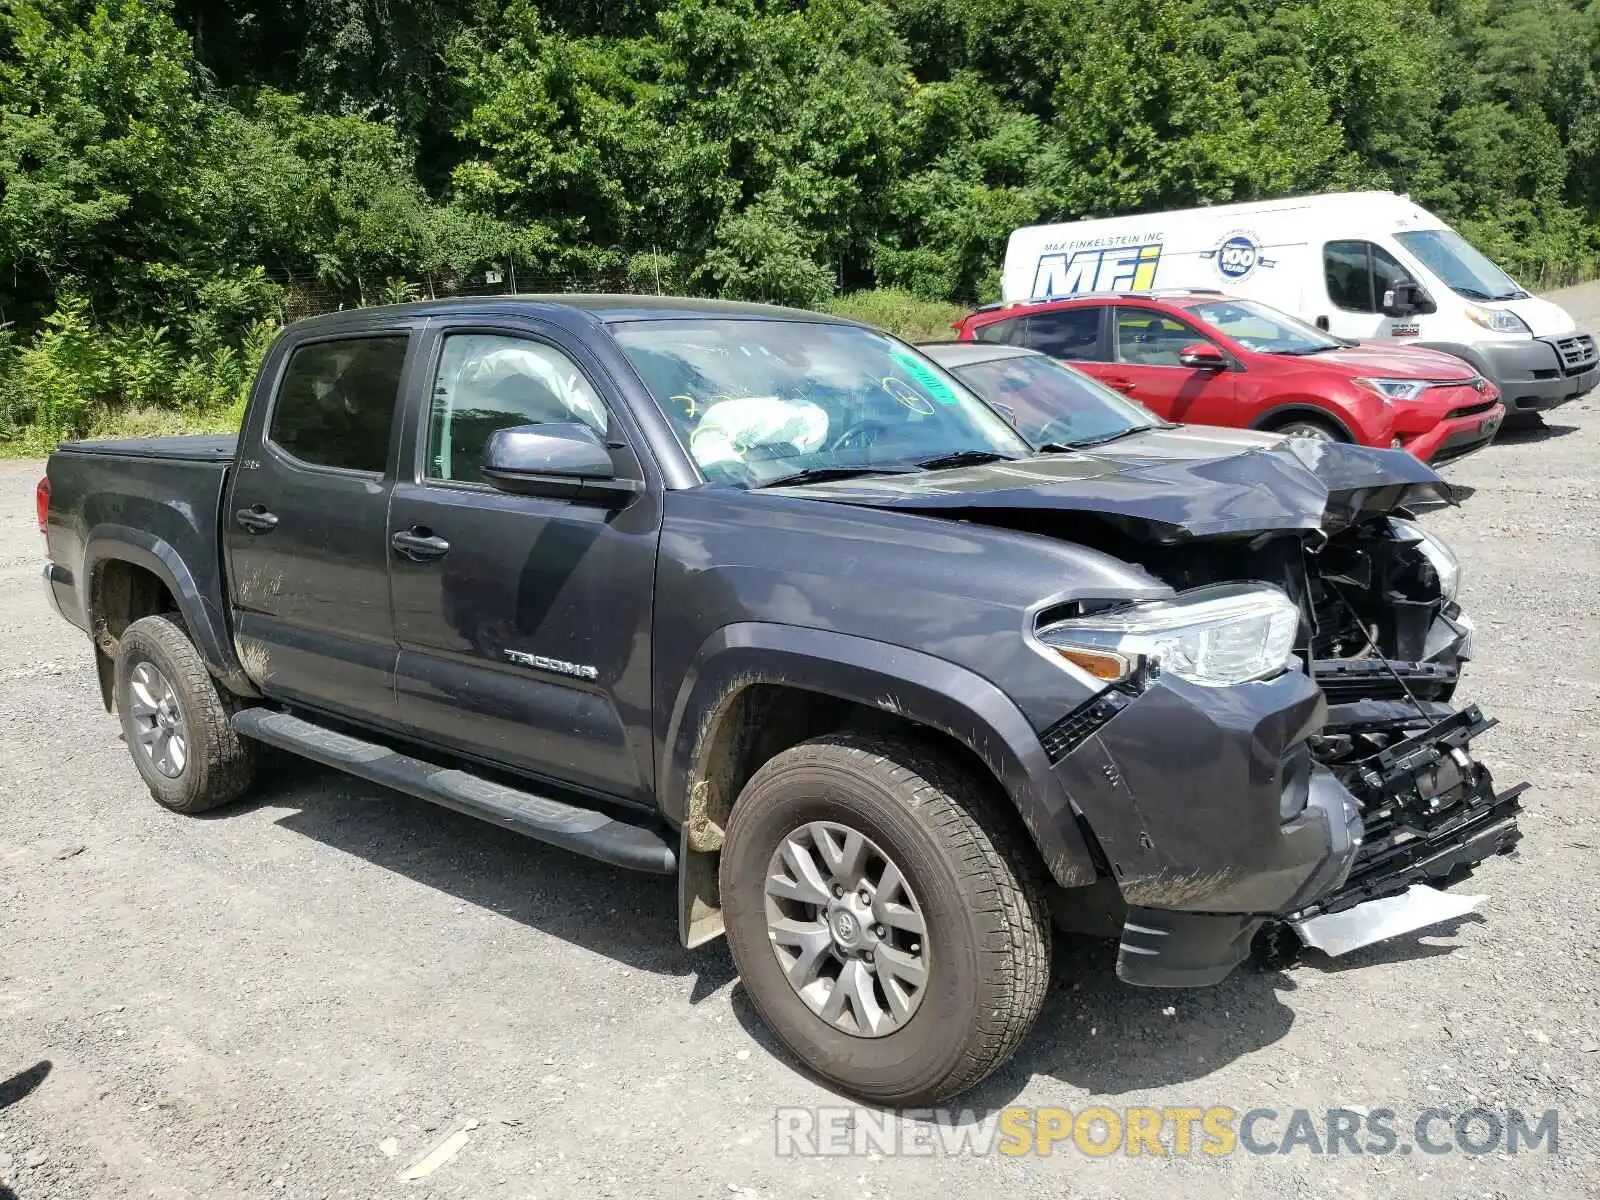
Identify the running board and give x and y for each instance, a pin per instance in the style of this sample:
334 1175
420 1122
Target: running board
568 826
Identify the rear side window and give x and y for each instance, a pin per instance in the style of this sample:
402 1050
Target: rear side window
999 332
337 402
1067 333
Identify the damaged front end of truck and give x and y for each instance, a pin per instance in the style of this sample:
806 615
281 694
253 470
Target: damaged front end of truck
1387 647
1324 801
1384 639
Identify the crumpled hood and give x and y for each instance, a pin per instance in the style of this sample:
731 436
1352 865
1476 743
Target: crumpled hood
1170 485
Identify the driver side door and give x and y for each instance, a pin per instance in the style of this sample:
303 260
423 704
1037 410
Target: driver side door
523 622
1356 275
1146 344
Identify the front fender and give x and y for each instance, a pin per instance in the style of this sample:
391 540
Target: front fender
1321 410
927 690
204 619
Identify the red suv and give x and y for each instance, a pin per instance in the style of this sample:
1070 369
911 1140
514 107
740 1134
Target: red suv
1209 359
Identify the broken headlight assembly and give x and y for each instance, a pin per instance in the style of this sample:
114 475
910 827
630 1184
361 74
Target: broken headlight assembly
1440 557
1212 636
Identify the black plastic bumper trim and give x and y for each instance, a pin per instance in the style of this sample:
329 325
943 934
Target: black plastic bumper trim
1175 949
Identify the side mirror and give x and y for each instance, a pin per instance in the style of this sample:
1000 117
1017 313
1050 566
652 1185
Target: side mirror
1202 356
1006 411
1404 299
564 460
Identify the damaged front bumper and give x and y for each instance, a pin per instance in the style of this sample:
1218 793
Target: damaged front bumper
1430 813
1216 819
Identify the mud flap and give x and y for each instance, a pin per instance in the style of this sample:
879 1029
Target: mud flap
1418 907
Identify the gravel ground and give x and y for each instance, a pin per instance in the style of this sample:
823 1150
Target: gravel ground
303 995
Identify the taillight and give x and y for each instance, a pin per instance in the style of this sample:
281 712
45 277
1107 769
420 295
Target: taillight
41 500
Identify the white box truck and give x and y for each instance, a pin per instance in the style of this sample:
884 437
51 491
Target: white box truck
1368 266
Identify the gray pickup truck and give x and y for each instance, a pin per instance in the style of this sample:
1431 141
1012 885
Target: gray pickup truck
777 604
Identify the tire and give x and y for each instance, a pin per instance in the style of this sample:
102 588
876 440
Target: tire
1522 421
1310 427
157 661
973 875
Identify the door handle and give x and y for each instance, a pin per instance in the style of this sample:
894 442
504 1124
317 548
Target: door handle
1121 385
256 519
419 544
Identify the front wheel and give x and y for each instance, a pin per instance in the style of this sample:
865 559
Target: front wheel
1310 427
886 915
175 719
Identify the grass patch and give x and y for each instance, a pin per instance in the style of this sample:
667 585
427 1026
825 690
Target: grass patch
900 312
145 421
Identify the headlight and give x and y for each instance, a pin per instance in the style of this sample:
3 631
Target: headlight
1212 636
1396 389
1500 320
1440 557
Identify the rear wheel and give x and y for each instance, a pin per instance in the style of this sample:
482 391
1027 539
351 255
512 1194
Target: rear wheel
886 916
175 719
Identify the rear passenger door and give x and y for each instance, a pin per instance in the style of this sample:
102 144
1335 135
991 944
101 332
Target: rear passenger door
1147 344
524 630
305 525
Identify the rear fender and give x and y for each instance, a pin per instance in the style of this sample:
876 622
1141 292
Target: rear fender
205 623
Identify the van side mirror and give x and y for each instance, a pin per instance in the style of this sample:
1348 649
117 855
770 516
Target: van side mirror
564 460
1202 356
1404 299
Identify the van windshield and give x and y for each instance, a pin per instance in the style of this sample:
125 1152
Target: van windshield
1262 329
1464 269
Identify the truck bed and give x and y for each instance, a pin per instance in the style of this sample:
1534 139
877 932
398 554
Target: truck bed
154 502
206 447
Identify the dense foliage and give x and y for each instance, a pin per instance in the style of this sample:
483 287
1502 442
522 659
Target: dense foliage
178 175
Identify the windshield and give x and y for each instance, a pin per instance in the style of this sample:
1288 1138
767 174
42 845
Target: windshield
1265 330
1464 270
1052 403
756 402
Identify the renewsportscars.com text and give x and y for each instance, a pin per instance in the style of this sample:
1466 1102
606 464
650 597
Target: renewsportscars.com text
1216 1131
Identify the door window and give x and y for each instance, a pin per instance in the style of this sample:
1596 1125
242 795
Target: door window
1387 274
490 381
1147 338
1066 333
1359 273
337 402
998 331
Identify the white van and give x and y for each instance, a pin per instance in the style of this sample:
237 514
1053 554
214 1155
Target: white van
1362 265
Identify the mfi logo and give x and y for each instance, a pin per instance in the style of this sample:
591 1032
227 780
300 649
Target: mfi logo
1106 269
